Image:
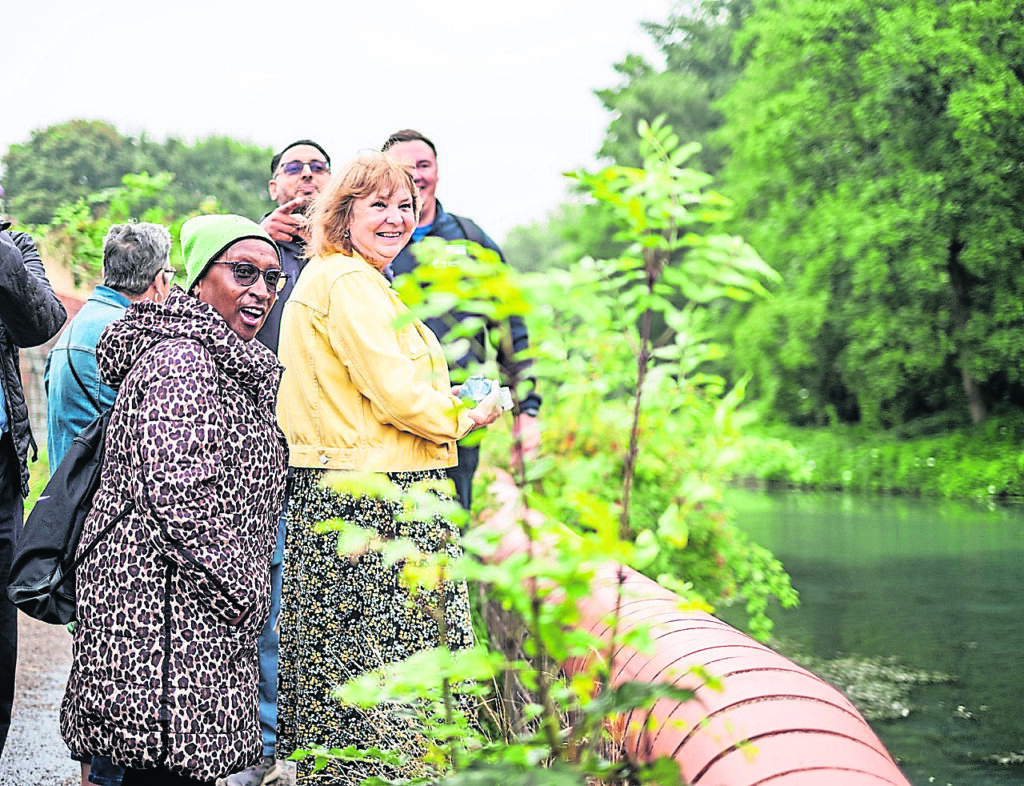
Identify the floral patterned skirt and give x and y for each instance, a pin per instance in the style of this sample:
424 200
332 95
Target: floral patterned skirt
341 617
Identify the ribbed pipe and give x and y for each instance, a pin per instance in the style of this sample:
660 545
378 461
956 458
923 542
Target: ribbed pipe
771 723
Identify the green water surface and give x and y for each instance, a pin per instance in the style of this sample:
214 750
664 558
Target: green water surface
927 586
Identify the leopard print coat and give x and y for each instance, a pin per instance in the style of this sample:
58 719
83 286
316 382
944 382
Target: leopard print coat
172 601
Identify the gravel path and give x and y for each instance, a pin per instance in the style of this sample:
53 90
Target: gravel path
35 755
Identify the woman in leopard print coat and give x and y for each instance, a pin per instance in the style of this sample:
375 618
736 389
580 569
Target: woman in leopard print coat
172 601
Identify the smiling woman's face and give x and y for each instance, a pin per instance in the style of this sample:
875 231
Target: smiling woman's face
381 226
244 308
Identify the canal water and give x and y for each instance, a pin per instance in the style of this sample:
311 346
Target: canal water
921 588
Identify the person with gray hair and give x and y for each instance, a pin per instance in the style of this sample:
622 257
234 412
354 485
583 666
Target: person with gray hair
136 266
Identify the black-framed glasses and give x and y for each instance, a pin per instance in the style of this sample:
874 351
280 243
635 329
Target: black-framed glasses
296 167
246 274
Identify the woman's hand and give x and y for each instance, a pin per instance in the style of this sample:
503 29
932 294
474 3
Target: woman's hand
487 411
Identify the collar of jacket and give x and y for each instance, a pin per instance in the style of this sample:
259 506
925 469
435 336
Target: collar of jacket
109 296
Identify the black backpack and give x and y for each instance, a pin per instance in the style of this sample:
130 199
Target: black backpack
42 579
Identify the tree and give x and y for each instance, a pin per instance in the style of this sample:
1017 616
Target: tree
75 236
220 168
696 42
539 245
61 164
875 159
64 163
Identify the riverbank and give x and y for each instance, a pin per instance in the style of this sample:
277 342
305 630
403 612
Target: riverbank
981 461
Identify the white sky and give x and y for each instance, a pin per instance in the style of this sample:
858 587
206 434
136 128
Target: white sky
505 90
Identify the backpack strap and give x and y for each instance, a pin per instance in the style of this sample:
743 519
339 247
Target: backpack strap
78 379
80 558
470 230
106 415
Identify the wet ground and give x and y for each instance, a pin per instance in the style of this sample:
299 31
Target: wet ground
35 755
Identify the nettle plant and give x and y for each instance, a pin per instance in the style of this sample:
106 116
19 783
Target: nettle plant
637 444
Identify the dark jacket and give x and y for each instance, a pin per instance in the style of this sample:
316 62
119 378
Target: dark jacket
293 259
452 227
172 601
30 314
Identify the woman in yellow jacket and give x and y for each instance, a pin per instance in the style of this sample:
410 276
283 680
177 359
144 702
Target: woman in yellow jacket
360 394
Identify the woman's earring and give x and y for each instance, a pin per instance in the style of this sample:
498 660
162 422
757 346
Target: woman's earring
345 234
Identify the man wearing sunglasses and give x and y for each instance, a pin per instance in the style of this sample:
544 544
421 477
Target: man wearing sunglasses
297 174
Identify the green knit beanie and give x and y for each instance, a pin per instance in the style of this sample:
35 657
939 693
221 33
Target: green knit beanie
205 238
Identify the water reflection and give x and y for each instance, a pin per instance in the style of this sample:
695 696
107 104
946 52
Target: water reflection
938 586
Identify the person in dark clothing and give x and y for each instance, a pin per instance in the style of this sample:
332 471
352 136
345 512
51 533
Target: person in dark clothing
415 150
297 174
30 314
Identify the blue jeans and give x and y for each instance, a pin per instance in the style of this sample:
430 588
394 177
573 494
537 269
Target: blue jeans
104 772
269 643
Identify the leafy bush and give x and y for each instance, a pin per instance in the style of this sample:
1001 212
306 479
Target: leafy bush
974 462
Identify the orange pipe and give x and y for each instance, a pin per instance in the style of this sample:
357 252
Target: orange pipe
772 723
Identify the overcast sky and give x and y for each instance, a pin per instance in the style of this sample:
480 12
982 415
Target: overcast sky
505 94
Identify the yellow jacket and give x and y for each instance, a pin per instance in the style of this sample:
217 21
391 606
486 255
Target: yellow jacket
357 392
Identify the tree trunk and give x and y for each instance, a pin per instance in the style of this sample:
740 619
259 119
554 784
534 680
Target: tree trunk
975 398
976 403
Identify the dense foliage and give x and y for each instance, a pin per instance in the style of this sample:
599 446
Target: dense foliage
976 461
74 238
654 375
107 178
875 155
64 163
873 150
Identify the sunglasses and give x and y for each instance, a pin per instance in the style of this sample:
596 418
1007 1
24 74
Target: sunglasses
246 274
296 167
